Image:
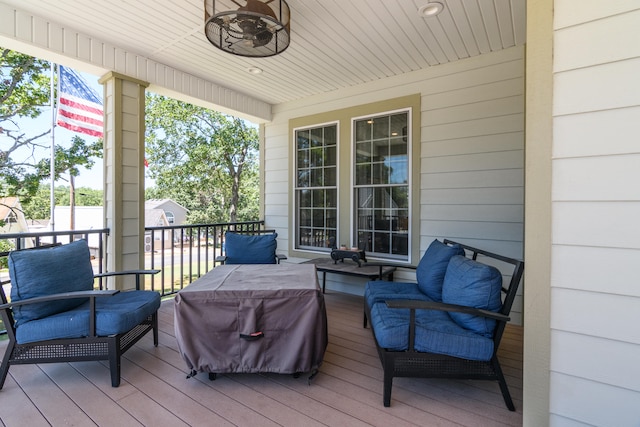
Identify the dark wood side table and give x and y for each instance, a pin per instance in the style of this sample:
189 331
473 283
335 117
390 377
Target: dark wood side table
349 268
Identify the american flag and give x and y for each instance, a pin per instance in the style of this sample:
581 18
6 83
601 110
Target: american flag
79 106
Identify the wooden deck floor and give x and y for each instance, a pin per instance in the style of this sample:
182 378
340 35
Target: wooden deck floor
346 392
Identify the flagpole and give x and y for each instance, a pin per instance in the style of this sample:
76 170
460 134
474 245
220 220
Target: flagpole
52 166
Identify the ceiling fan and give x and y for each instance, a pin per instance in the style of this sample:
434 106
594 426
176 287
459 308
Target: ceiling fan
257 28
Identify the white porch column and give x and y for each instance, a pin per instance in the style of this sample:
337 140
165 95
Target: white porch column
124 100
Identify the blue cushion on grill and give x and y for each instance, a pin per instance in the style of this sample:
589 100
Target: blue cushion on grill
472 284
432 267
250 249
435 333
114 315
42 272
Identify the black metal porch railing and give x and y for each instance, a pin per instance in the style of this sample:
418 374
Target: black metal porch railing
182 253
97 239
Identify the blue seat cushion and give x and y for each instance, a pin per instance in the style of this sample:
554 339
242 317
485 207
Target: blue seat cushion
473 284
42 272
382 290
436 332
432 267
250 249
114 315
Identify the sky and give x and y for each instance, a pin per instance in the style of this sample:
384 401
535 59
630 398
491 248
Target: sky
92 178
87 178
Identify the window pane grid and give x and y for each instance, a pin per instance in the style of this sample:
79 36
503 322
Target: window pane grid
316 191
381 185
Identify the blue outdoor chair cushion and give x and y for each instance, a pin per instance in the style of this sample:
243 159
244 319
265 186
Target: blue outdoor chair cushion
114 315
432 267
382 290
435 333
473 284
250 249
42 272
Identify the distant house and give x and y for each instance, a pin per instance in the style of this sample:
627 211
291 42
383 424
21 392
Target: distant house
175 213
91 217
156 218
13 217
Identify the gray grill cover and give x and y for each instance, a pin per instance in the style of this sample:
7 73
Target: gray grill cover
283 301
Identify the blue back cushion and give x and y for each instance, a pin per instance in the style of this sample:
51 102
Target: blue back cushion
42 272
432 267
250 249
472 284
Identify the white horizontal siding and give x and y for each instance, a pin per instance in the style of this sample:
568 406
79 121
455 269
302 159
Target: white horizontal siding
473 160
597 223
472 144
621 359
601 87
602 41
597 178
581 267
583 134
471 179
576 12
471 196
480 213
595 300
577 401
595 314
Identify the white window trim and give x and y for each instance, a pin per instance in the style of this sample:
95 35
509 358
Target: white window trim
352 187
294 178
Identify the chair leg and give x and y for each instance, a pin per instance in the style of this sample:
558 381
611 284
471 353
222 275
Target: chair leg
114 362
503 385
387 366
154 322
5 362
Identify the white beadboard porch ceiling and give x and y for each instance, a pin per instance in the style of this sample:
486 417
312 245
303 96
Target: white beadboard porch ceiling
335 44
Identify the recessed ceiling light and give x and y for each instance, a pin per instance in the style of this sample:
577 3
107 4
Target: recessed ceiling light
254 70
431 9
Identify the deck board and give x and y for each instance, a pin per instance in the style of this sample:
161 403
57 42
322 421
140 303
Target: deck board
347 391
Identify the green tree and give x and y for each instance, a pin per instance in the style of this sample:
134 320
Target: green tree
38 207
24 91
202 159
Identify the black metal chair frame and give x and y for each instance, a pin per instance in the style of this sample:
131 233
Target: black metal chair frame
412 363
88 348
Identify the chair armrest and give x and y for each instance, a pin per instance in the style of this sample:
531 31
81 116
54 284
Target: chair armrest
63 295
441 306
125 272
138 273
280 257
221 258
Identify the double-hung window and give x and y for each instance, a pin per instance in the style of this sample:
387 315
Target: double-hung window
381 184
316 191
353 174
